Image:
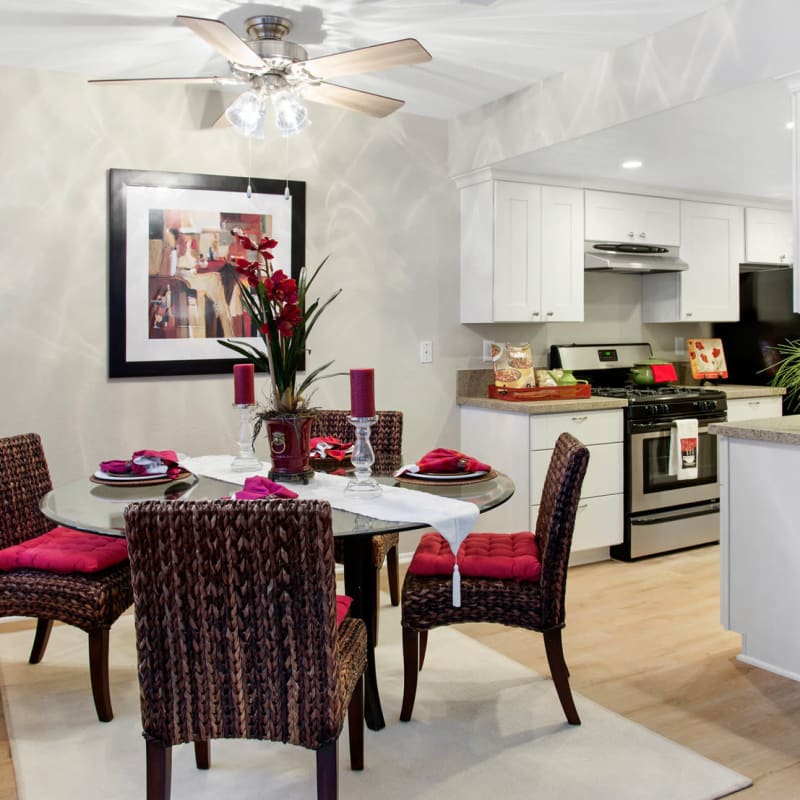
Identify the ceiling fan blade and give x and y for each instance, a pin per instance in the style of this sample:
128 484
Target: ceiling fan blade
375 105
368 59
224 40
218 81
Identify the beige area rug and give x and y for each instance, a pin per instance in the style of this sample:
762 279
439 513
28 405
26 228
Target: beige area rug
484 726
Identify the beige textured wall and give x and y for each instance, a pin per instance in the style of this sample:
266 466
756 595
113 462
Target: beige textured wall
379 201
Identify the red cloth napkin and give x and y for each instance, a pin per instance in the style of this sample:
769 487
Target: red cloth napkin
257 487
443 460
145 462
330 447
663 373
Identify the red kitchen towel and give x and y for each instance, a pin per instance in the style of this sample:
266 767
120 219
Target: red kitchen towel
257 487
663 373
444 460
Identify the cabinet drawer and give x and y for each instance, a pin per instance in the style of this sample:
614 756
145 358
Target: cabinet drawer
590 427
603 475
754 408
598 522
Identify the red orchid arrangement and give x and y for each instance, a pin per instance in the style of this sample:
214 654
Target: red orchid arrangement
276 304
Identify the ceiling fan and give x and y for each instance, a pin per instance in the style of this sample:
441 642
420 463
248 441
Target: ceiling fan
268 67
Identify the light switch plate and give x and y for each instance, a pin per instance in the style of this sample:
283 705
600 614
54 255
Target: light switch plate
425 352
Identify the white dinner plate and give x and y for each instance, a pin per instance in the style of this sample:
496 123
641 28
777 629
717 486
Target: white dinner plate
112 476
444 476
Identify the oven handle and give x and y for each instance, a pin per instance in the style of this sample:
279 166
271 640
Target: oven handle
654 430
678 513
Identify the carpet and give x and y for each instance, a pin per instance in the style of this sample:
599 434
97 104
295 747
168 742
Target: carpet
482 724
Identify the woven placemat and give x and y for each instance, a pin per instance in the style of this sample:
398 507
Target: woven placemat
330 464
411 479
153 480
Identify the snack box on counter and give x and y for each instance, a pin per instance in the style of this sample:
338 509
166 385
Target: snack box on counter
572 392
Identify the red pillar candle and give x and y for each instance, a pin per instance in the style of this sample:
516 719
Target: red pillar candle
244 393
362 392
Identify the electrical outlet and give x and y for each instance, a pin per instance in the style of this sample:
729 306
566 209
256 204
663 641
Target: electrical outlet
425 352
487 350
680 344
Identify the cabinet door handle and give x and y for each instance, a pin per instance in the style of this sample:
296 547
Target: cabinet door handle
631 234
549 313
535 314
580 419
687 314
754 403
642 235
783 257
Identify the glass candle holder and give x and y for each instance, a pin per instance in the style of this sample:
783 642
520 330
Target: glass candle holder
246 461
362 483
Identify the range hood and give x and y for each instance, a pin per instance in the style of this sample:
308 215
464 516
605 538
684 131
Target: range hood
631 258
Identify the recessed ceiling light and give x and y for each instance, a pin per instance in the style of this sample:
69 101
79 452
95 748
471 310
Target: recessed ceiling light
789 126
632 164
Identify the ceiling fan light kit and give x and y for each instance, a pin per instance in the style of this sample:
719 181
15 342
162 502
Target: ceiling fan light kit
274 69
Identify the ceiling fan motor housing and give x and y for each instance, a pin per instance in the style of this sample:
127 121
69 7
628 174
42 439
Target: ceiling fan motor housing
267 34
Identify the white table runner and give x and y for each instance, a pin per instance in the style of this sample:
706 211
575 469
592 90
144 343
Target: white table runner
454 519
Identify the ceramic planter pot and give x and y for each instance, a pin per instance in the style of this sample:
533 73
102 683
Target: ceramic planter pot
289 440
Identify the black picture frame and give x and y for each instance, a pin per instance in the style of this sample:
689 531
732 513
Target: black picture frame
132 352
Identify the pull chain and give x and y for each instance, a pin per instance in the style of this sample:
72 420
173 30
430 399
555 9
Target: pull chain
287 195
249 165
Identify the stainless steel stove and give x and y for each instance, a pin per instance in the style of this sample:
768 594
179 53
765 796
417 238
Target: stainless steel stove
662 513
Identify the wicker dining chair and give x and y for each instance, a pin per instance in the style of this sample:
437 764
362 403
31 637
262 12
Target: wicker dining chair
386 438
237 635
91 601
512 579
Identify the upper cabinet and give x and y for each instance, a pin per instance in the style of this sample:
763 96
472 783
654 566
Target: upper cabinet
521 253
617 217
768 236
712 244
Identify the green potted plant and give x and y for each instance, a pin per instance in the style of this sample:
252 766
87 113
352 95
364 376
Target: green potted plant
786 371
278 306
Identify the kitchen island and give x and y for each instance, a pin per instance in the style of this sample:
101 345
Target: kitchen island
759 463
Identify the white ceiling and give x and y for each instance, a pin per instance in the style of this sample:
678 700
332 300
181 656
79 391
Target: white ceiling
482 50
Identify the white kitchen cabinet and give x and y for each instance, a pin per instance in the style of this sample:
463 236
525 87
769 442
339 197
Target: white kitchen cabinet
521 445
754 408
521 253
712 244
618 217
768 236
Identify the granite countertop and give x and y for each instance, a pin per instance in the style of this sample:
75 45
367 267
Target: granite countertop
471 391
780 430
737 391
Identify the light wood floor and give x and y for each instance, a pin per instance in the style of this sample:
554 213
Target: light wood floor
644 640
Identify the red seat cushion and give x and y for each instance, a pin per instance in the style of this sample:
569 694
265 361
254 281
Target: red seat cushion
65 550
343 603
500 555
433 556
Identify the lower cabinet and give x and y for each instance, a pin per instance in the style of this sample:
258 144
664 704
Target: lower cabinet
754 408
521 444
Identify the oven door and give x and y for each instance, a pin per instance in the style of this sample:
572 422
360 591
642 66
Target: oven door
652 487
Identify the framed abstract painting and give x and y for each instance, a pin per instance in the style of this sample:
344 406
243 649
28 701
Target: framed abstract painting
173 288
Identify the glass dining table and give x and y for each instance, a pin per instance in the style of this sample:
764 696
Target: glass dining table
99 509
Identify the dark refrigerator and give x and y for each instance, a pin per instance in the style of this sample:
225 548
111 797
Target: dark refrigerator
765 320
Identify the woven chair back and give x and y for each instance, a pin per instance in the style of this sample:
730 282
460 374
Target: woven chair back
386 436
236 620
556 522
25 480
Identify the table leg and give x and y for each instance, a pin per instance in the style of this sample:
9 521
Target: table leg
359 583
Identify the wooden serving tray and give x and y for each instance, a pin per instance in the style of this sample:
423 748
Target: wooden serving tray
579 390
